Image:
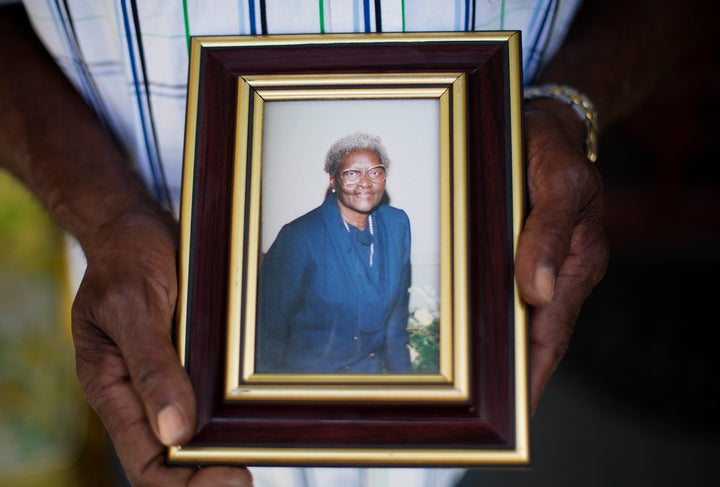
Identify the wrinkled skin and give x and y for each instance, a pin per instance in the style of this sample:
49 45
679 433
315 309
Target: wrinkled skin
122 315
562 251
126 363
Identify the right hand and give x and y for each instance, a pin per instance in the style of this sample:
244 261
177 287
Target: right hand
127 365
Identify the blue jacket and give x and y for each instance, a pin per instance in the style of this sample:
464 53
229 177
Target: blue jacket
319 310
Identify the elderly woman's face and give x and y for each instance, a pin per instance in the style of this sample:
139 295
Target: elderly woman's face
365 194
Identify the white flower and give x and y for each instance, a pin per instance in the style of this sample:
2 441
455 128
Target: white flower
424 316
413 353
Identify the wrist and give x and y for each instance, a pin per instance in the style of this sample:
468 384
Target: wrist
91 195
562 115
140 213
140 223
573 110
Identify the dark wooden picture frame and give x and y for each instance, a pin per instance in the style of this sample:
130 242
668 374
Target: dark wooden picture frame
474 411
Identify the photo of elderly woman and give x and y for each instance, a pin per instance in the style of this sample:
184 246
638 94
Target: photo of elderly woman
333 287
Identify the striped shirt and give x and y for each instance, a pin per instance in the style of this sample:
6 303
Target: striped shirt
129 59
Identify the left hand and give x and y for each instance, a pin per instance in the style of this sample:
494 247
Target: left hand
562 250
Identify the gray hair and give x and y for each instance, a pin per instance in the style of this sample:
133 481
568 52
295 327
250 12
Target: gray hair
351 143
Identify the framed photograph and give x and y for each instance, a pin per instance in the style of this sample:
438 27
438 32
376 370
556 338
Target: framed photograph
351 206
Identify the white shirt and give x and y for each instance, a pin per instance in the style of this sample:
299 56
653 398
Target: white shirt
129 59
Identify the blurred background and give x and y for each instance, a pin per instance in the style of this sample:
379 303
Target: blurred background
636 399
635 402
48 436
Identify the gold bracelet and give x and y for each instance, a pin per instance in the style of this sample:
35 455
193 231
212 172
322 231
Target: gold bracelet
580 103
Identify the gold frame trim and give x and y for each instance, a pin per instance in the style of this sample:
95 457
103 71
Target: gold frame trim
522 399
351 457
520 453
451 383
334 39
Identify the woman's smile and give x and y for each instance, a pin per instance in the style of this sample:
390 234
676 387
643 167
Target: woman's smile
358 199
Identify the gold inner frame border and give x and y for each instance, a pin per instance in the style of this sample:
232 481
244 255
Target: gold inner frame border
450 384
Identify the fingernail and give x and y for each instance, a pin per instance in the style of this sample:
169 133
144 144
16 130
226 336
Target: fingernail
545 282
171 425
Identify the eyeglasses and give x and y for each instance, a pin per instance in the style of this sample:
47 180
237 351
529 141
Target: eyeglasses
376 174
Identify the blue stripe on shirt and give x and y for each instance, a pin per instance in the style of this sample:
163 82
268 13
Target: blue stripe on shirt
251 14
366 15
77 61
158 184
538 24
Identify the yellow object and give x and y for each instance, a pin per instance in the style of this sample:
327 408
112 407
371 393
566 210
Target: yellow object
48 435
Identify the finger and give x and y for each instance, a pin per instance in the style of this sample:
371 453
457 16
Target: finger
561 200
545 355
107 384
129 292
221 477
562 250
552 323
550 333
561 184
141 330
164 387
